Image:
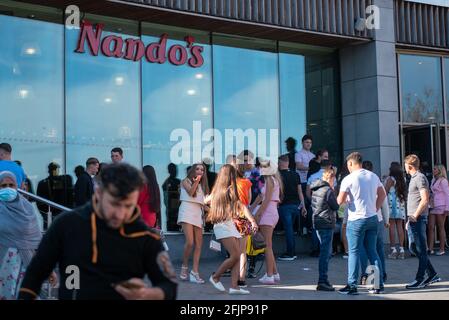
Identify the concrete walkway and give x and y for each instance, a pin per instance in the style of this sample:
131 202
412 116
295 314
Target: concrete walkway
298 282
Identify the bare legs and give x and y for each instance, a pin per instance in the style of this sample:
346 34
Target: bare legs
232 245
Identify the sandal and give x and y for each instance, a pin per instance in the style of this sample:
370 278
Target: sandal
184 275
195 277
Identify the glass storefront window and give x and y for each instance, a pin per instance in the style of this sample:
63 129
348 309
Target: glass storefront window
421 96
176 109
246 94
32 93
293 97
323 104
102 99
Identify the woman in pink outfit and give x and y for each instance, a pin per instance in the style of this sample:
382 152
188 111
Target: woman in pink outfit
267 216
439 208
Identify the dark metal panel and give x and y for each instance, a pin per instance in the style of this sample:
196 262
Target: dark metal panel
294 9
275 12
437 26
339 16
332 15
431 27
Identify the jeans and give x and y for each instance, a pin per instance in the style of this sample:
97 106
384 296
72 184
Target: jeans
362 232
288 214
325 238
379 249
418 230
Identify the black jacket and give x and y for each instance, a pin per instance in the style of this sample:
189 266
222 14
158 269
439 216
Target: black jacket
324 205
84 188
104 257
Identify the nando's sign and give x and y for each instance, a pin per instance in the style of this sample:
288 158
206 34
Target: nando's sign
134 49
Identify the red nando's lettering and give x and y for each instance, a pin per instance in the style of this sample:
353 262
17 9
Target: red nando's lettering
134 49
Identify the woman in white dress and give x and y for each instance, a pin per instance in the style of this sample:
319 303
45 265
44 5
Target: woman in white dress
225 207
191 217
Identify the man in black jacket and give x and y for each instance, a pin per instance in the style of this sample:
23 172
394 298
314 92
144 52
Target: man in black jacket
84 186
324 208
103 249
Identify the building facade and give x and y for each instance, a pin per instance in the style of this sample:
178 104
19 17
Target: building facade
157 77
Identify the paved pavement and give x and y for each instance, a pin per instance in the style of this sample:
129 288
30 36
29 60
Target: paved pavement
298 282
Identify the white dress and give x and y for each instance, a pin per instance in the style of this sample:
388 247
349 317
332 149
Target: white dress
191 208
226 229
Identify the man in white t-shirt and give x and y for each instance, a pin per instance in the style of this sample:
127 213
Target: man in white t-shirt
364 194
303 157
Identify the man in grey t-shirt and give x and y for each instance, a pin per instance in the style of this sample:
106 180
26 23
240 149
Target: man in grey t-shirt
418 183
418 209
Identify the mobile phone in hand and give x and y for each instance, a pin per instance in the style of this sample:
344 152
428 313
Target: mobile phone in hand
128 285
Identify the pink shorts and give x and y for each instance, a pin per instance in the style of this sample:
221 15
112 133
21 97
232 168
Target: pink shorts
271 216
437 210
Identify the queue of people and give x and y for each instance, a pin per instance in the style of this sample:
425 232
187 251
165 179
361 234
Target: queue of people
116 205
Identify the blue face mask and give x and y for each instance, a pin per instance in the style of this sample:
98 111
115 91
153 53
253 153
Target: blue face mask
8 194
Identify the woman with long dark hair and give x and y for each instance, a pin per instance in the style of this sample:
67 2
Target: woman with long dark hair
191 217
150 199
225 206
396 192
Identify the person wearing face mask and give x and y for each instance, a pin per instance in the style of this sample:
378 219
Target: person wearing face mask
19 236
111 247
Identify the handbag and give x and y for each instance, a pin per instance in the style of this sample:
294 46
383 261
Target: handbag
258 241
243 226
214 245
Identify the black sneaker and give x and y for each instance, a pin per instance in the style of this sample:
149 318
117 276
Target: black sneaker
325 287
352 291
429 280
242 284
415 285
377 291
287 257
227 273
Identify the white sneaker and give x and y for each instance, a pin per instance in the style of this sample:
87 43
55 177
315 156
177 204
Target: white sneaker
195 278
277 277
218 285
267 280
238 291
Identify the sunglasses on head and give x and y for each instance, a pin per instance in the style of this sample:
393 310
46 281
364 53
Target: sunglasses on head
7 185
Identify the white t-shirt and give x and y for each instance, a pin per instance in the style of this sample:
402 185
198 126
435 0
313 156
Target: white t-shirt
361 186
303 157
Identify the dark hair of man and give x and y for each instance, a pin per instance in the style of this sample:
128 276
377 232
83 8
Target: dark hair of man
172 169
120 179
283 158
306 137
6 147
92 161
119 150
320 152
355 157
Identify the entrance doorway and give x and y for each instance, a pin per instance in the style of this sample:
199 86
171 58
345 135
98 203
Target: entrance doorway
428 142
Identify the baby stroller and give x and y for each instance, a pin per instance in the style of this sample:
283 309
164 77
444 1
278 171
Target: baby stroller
256 259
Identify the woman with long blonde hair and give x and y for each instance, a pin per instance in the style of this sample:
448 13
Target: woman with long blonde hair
191 212
439 208
267 216
225 206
